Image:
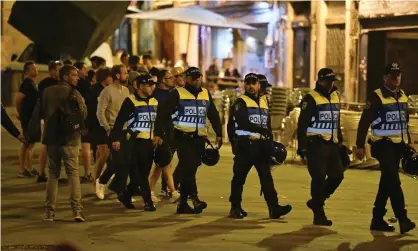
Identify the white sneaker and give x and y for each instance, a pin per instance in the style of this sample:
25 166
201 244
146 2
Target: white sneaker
154 198
100 190
175 196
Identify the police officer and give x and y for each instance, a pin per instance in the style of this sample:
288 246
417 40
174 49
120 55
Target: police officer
264 84
319 134
138 111
252 147
387 113
188 108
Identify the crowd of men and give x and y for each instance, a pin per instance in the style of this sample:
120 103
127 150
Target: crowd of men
132 118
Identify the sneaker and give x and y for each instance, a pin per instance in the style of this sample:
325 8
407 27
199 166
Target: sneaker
49 216
25 174
41 179
154 198
175 196
79 217
100 190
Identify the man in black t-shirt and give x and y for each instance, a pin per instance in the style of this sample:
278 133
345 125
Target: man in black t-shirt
53 69
84 87
26 99
99 138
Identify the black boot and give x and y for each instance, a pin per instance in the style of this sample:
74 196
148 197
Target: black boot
198 204
126 199
406 225
244 213
183 207
236 213
149 206
381 225
276 211
320 218
378 223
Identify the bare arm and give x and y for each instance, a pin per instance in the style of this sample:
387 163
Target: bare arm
19 98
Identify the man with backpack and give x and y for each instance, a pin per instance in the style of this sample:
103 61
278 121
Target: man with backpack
64 111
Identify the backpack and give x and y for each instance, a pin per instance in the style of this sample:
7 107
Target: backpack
64 123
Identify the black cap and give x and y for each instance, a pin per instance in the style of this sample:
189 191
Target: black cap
392 68
144 79
263 81
326 74
250 78
192 71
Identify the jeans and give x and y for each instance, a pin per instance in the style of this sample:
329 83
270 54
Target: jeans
69 154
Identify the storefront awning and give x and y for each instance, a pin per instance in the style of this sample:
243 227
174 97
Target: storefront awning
191 15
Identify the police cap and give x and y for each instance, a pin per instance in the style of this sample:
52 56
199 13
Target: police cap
250 78
193 72
144 79
392 68
263 81
326 74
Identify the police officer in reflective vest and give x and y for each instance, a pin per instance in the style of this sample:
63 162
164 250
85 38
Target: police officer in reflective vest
138 112
319 134
251 142
264 84
386 112
188 109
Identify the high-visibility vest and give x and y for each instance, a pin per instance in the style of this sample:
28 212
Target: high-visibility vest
391 121
257 114
143 117
191 112
326 119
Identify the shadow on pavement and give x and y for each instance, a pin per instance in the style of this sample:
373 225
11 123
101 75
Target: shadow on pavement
101 230
291 240
380 242
220 226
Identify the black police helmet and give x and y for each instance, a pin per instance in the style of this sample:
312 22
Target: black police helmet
279 152
162 156
410 165
211 155
410 161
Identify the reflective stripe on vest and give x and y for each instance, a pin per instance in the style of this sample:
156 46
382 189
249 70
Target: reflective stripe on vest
257 114
326 119
143 117
191 112
391 122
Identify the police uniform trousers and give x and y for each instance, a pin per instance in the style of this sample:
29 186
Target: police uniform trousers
389 155
325 168
249 153
189 151
138 170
